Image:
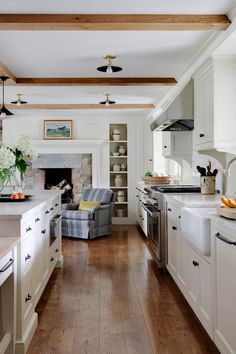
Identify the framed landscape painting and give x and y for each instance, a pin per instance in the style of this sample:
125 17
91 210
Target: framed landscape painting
57 129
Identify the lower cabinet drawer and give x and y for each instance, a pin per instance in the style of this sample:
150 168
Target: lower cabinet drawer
27 250
53 254
27 297
6 267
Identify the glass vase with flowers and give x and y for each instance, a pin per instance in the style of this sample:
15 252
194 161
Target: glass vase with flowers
13 164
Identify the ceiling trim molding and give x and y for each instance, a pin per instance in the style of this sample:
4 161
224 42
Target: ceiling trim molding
98 81
5 71
205 53
113 22
81 106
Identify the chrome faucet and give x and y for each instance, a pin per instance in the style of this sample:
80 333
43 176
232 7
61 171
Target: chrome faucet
228 166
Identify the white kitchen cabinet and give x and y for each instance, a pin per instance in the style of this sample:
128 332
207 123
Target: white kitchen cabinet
176 144
172 247
190 270
215 105
37 256
199 287
224 260
203 108
225 103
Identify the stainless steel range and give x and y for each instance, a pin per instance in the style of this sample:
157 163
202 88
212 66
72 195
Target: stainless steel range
155 207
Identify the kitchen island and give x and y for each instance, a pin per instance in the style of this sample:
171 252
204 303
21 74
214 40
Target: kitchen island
38 253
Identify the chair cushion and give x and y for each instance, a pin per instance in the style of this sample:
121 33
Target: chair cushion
102 195
85 205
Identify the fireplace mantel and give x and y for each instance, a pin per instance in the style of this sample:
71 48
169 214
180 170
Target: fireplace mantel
75 147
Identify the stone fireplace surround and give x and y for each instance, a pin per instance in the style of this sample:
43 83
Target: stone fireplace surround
75 154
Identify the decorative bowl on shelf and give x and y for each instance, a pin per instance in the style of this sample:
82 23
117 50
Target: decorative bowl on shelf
115 153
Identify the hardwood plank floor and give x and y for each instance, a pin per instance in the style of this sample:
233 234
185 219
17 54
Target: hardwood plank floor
110 298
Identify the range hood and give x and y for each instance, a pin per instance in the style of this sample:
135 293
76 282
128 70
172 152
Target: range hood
179 115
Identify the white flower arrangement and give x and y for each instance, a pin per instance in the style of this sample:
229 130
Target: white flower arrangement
16 158
7 158
25 146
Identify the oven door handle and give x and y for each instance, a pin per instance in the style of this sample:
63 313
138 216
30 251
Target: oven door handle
153 215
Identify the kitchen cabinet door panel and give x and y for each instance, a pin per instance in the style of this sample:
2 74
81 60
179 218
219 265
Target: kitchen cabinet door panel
224 292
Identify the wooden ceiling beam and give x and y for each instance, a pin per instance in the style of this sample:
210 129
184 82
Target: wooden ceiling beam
112 22
81 106
4 71
98 81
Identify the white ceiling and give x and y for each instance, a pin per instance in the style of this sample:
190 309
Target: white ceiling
116 6
78 53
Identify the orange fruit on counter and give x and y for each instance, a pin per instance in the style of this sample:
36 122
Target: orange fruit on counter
21 195
15 196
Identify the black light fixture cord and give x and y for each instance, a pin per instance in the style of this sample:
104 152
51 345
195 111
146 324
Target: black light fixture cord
2 93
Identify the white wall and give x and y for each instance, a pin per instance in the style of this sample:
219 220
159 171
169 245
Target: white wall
93 124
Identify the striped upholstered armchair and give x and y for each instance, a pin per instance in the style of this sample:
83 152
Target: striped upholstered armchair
92 223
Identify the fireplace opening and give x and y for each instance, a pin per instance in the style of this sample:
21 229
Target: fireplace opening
60 178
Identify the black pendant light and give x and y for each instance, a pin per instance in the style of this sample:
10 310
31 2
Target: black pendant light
109 68
3 110
107 101
19 101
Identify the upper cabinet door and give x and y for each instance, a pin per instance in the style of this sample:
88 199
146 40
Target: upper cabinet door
203 109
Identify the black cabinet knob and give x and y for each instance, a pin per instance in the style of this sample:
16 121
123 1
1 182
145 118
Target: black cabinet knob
56 250
47 212
37 219
196 264
174 228
43 232
169 209
51 208
28 298
201 135
52 259
165 146
28 229
56 205
27 257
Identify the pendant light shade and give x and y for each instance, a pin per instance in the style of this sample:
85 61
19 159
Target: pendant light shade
107 101
109 68
3 110
19 101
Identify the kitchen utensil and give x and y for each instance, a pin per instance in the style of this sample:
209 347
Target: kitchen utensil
199 170
209 169
214 173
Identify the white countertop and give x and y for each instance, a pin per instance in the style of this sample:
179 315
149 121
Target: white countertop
16 210
193 200
224 222
7 244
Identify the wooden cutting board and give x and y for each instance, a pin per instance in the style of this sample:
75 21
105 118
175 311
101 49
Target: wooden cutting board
229 213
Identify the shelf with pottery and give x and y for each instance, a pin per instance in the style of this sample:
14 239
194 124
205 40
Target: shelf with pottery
118 144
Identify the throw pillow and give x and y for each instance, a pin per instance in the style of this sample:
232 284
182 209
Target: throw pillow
85 205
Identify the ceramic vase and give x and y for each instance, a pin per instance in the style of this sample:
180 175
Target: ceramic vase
118 181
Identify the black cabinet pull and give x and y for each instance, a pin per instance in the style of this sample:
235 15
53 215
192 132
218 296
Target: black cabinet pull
27 257
169 209
196 264
28 298
174 228
224 239
201 135
28 229
56 250
47 212
52 259
7 265
43 232
37 219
